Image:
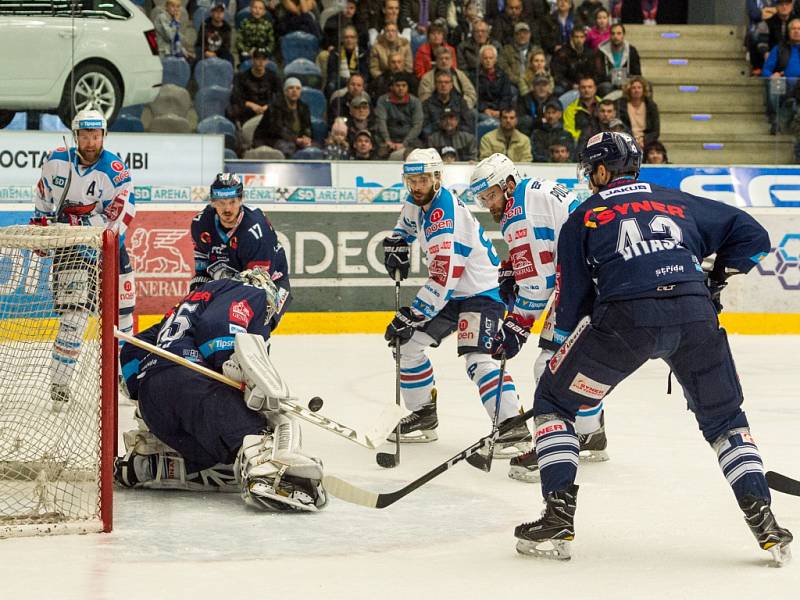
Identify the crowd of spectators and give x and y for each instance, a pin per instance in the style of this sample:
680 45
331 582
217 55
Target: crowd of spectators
535 79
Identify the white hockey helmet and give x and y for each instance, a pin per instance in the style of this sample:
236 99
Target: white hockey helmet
258 277
89 119
492 171
424 160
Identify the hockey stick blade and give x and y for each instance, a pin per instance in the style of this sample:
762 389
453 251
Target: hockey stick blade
481 461
356 495
782 483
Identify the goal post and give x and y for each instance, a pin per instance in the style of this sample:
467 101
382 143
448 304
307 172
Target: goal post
58 379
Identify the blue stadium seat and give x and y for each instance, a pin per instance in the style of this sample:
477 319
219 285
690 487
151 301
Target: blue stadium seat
127 124
139 3
306 71
568 98
213 71
319 130
220 125
211 101
241 16
18 123
308 154
199 17
132 111
299 44
485 127
48 122
315 100
176 71
245 65
230 154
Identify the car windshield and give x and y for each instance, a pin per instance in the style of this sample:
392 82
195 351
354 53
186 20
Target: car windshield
107 9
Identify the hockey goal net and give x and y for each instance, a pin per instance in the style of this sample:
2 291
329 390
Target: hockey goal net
58 306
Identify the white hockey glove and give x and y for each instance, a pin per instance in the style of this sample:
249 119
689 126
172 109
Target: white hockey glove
254 398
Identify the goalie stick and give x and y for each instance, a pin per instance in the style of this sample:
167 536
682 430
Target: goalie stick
356 495
782 483
371 439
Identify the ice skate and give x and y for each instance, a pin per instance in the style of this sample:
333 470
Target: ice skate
524 467
550 536
420 426
514 442
59 396
593 445
770 536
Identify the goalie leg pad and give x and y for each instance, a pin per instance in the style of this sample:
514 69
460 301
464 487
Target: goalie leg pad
265 386
166 470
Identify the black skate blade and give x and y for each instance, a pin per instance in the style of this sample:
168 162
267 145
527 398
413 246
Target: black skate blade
386 460
782 483
480 461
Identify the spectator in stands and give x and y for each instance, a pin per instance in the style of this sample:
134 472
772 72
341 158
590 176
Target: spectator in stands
552 132
345 61
783 61
363 146
757 11
579 114
214 37
564 17
423 61
253 90
360 117
513 58
398 119
448 154
507 139
530 107
446 98
334 27
389 42
255 31
559 153
298 15
168 26
339 105
494 86
450 134
655 154
639 112
337 146
419 15
537 65
620 60
532 10
774 30
390 13
504 24
380 86
286 125
600 31
573 61
460 80
467 16
605 114
585 13
469 50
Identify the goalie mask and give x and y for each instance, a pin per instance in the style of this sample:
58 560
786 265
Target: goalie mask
258 277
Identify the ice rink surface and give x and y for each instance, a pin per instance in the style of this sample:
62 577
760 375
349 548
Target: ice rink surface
656 521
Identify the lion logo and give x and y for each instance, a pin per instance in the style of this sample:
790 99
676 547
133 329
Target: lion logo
155 251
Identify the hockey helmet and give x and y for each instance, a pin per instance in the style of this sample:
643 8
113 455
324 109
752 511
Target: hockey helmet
89 119
260 278
617 151
492 171
424 160
226 186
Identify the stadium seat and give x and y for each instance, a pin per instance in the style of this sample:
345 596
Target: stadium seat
241 16
133 111
485 127
264 153
48 122
308 154
18 123
219 125
315 100
230 154
213 72
171 99
199 17
299 44
306 71
170 124
319 129
249 128
176 71
211 101
127 124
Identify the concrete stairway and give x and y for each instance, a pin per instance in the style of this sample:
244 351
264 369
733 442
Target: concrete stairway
712 111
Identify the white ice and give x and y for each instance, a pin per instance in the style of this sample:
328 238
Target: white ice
656 521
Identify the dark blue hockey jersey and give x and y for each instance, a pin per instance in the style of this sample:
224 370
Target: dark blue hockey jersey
251 243
131 357
202 327
636 240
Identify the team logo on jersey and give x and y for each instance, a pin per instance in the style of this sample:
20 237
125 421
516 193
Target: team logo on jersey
117 166
522 263
586 386
240 313
121 177
436 215
602 215
59 181
434 227
114 210
439 269
205 237
469 329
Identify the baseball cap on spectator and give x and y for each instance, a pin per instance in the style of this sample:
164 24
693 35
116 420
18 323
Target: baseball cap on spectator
291 81
520 26
260 53
218 4
448 150
553 104
363 132
360 99
448 112
541 78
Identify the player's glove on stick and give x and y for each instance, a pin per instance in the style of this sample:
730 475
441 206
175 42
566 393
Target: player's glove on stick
717 280
396 254
512 335
403 325
508 285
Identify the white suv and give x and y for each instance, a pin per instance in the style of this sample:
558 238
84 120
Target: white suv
112 44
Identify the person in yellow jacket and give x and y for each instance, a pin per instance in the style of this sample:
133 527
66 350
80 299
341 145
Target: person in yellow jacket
507 139
579 114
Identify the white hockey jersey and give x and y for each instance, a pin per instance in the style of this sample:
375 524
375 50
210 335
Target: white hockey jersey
531 224
101 194
462 262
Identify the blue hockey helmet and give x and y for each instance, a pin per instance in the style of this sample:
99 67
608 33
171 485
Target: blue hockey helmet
226 186
617 151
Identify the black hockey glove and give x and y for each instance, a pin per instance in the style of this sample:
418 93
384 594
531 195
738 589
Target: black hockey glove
717 280
508 285
198 280
221 270
512 335
395 257
403 325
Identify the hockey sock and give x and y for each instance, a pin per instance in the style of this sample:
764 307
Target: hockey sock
67 346
741 464
416 376
588 419
556 452
485 373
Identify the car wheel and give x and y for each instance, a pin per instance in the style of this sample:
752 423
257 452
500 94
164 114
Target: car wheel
6 116
95 87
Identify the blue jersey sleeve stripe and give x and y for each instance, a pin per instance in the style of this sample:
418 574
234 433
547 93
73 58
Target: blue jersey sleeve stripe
544 233
757 258
461 249
130 368
550 281
573 205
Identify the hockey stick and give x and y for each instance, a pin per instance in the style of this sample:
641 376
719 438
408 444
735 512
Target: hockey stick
481 460
371 439
384 459
60 208
356 495
782 483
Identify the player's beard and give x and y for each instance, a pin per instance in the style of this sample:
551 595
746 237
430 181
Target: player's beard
497 213
425 199
89 157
